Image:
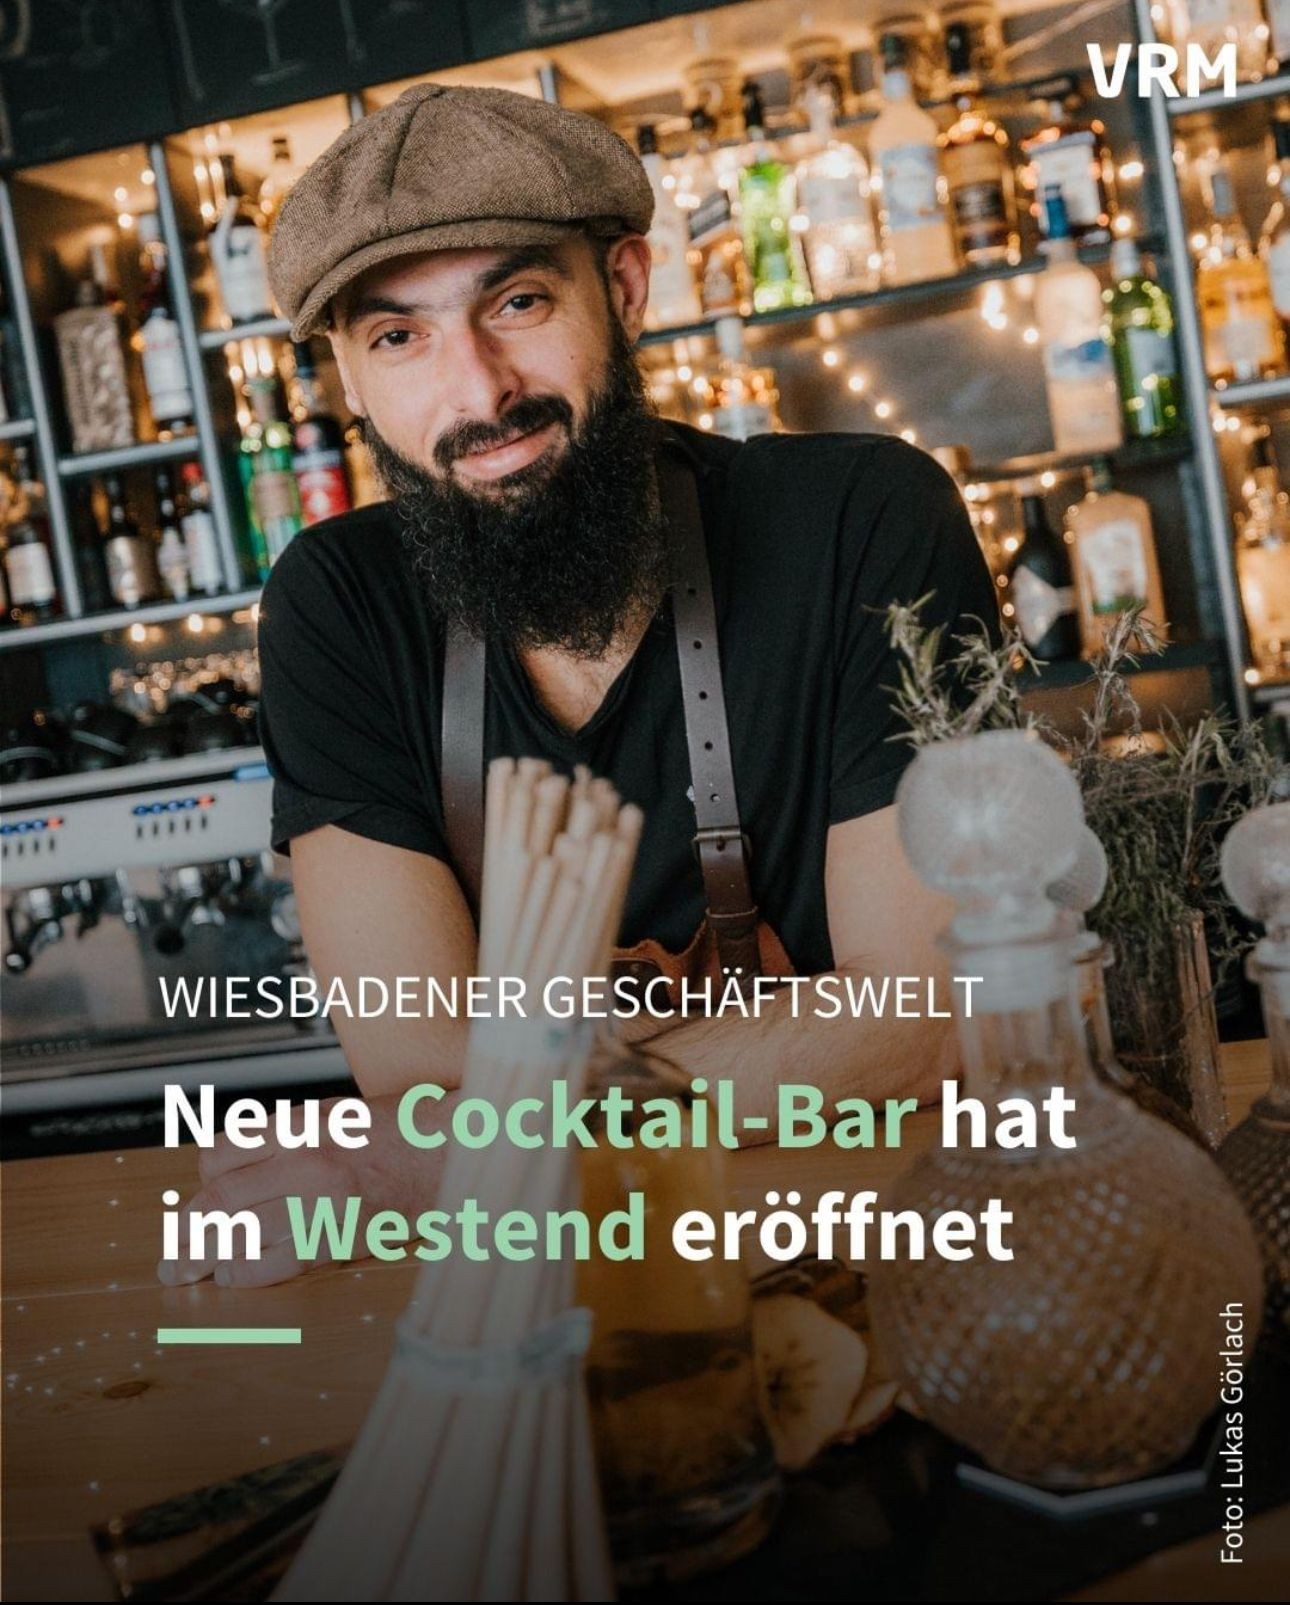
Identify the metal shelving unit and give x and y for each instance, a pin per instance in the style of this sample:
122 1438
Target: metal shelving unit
40 635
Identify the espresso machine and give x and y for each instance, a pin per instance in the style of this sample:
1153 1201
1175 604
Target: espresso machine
117 886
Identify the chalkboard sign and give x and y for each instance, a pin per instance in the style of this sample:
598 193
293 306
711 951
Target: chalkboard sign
80 75
497 27
232 57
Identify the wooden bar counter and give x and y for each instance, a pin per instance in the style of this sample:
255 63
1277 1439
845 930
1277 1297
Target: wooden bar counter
100 1420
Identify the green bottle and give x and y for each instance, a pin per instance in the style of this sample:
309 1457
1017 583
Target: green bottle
273 496
766 206
1142 339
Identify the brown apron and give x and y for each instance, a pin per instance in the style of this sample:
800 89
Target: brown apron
732 940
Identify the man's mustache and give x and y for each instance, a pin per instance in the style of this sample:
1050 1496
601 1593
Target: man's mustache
529 413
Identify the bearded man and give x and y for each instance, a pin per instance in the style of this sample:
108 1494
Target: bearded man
559 574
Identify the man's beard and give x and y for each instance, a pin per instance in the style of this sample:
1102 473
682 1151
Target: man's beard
561 553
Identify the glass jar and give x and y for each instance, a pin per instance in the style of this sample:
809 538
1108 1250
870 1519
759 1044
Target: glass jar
687 1471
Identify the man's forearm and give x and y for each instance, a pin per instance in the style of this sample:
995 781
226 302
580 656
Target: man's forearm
870 1056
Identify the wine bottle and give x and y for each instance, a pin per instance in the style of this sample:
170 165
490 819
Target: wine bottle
1041 590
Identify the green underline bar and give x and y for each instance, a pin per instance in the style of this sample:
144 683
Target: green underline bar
228 1334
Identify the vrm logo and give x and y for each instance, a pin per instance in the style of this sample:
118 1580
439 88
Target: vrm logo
1159 64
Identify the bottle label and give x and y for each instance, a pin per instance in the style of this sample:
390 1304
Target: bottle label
324 487
909 180
203 552
743 419
1263 569
30 575
1038 604
1115 566
719 288
1246 340
980 214
711 217
130 570
1279 267
243 275
276 497
1151 355
1070 162
164 374
1085 362
828 199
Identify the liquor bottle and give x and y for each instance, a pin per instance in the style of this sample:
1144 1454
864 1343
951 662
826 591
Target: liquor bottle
833 199
673 293
716 246
271 483
1274 237
766 207
978 166
165 376
86 529
172 553
365 486
1041 588
1213 24
1142 341
91 356
1072 153
1242 333
204 568
130 555
917 240
28 567
744 398
1113 554
317 447
278 182
1079 372
1263 565
237 252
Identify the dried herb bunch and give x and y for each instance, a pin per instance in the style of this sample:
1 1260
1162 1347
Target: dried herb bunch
1159 801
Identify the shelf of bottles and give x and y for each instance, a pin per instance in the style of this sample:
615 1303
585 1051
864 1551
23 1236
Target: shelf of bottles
1232 161
811 219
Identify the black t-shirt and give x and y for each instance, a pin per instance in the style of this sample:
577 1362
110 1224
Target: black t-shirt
809 538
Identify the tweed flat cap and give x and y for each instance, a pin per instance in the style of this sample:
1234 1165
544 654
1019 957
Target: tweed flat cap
448 167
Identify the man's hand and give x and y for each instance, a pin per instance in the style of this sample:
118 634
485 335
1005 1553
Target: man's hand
388 1173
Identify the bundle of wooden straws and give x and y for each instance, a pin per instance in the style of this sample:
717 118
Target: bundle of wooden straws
473 1476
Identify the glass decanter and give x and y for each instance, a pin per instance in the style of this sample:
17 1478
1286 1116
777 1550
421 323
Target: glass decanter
687 1470
1256 1155
1087 1358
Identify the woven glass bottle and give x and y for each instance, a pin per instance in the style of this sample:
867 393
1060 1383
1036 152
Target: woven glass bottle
1256 1155
1087 1358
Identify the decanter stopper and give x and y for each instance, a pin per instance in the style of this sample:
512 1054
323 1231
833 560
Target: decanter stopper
992 819
1081 887
1256 867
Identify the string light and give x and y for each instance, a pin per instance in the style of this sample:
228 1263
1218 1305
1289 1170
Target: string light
909 437
858 383
138 633
1131 170
148 177
831 357
1030 335
883 409
705 420
1048 479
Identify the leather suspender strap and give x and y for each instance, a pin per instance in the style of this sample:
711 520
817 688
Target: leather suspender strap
464 665
719 842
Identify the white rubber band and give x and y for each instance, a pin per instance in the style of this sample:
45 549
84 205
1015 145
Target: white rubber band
551 1352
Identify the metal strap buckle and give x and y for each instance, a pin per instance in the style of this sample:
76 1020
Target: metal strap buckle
719 835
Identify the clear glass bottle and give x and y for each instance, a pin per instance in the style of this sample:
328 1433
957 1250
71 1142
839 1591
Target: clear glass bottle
165 374
673 292
1274 236
237 252
833 205
917 239
744 398
1211 24
716 246
1087 1357
766 208
977 164
1263 564
686 1466
1079 371
1071 151
1142 342
1242 333
1255 1156
1113 555
91 356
